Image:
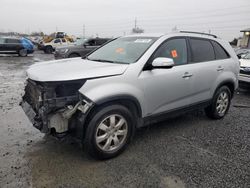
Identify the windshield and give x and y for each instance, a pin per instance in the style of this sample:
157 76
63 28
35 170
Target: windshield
247 56
123 50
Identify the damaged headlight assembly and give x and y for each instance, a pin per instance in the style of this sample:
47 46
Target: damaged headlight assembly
60 119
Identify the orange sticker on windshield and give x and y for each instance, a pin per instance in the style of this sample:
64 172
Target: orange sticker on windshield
119 50
174 54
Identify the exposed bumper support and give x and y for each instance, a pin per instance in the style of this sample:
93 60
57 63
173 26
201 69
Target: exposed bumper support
58 120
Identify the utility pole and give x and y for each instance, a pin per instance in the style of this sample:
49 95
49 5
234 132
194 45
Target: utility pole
83 30
135 23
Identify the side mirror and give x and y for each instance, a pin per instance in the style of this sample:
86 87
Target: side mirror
163 62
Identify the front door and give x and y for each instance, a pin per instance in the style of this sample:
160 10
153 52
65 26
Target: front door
168 89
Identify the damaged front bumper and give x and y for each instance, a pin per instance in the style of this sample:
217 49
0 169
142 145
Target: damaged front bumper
58 120
57 114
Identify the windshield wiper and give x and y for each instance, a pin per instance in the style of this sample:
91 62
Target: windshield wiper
103 60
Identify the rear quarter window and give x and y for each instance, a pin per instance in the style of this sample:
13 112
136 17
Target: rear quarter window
202 50
220 52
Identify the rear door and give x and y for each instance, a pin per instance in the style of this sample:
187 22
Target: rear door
64 42
206 67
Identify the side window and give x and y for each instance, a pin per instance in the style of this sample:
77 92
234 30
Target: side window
202 50
57 41
92 42
12 41
175 49
100 42
220 52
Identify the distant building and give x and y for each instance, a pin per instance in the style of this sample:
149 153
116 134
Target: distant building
245 42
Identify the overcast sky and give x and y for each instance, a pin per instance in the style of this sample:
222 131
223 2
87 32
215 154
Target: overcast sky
107 18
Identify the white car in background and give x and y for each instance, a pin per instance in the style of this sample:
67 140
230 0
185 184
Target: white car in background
49 47
244 75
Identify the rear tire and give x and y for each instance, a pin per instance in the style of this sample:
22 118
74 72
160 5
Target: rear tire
109 131
220 103
23 53
48 50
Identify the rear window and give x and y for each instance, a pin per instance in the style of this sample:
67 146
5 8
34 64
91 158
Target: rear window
202 50
220 52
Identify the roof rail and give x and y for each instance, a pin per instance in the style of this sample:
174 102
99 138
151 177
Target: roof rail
199 33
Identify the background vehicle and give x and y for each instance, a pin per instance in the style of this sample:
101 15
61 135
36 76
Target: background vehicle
80 48
244 76
128 83
52 36
49 47
241 52
10 45
49 38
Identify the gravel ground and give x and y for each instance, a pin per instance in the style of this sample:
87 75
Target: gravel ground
188 151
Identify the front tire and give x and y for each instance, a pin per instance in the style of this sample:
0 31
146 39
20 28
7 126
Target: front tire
109 131
220 103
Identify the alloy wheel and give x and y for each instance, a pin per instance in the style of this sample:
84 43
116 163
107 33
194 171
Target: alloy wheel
222 103
111 133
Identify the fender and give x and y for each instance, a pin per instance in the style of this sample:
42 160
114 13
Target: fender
226 78
109 89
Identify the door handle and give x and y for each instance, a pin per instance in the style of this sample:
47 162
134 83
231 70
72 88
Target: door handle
220 68
187 75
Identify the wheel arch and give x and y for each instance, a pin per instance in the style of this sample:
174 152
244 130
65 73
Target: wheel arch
230 84
125 100
130 102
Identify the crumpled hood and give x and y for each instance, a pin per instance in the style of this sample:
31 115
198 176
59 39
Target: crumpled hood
245 62
73 69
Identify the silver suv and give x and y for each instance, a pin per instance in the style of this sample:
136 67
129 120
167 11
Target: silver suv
128 83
